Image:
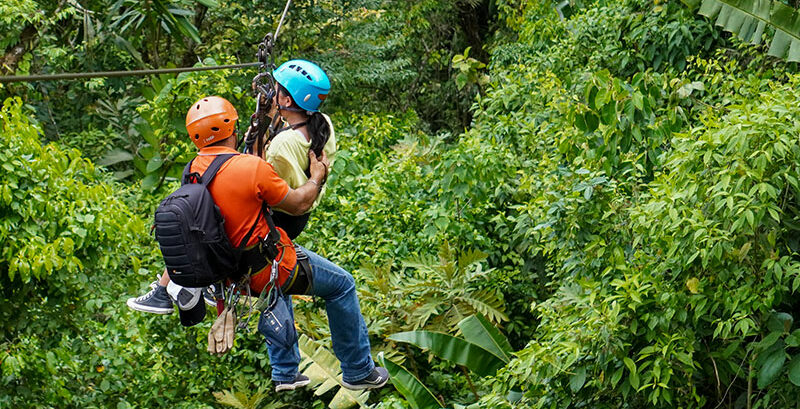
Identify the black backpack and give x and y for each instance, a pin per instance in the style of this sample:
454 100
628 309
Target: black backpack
191 232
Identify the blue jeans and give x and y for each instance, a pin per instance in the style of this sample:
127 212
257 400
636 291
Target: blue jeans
348 330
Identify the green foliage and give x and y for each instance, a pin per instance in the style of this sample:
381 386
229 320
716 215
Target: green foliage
483 350
442 290
58 221
157 144
623 201
468 70
244 398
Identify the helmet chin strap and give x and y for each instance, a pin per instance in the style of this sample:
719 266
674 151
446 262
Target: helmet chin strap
292 109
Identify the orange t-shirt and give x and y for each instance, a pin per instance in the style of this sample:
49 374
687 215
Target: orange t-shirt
238 189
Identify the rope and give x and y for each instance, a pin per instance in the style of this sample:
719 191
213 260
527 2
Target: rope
110 74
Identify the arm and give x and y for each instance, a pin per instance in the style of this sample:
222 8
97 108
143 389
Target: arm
299 201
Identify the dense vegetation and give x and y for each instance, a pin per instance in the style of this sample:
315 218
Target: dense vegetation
614 185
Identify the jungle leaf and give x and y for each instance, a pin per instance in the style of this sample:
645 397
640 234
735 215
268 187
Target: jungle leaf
322 367
457 350
416 393
477 330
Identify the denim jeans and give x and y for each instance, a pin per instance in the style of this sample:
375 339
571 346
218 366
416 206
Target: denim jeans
348 330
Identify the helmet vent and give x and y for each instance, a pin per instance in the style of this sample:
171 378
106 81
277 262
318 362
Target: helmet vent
227 120
198 106
214 128
205 100
196 136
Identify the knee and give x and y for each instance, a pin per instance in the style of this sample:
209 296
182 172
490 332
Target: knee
349 283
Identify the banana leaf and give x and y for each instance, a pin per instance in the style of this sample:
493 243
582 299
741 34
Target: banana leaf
749 18
415 392
457 350
477 330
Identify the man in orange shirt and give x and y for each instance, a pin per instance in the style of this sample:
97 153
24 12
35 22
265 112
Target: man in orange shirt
240 187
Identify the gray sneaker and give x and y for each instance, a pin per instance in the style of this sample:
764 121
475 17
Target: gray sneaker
299 381
156 301
376 379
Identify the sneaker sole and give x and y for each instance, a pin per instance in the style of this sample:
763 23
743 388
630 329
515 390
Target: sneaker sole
292 386
143 308
362 386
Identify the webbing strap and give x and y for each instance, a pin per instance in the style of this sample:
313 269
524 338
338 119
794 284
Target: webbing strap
209 173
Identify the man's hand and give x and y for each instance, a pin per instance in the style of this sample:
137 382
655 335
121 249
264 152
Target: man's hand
299 200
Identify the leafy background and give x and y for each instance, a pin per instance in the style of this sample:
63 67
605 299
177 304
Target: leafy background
610 185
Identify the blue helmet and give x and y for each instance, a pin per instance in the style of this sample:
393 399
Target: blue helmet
306 82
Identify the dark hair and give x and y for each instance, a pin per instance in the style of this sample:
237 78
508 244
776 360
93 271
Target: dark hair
319 131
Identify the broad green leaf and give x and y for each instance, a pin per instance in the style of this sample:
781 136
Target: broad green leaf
577 380
417 394
591 121
478 330
514 396
630 364
146 130
208 3
188 29
794 370
124 45
769 340
115 156
150 181
154 164
453 349
771 368
780 322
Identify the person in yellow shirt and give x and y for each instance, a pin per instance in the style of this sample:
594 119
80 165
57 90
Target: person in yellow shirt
297 101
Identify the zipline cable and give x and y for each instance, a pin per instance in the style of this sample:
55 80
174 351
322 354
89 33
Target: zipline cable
111 74
280 23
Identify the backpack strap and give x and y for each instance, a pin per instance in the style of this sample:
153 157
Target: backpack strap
273 236
194 177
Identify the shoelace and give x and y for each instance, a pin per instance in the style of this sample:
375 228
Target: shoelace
146 296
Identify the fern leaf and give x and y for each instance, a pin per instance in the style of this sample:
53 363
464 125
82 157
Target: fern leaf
228 398
487 303
470 257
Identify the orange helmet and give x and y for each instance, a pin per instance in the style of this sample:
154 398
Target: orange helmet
211 119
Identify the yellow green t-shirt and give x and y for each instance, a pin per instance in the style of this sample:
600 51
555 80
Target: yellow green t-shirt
288 154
